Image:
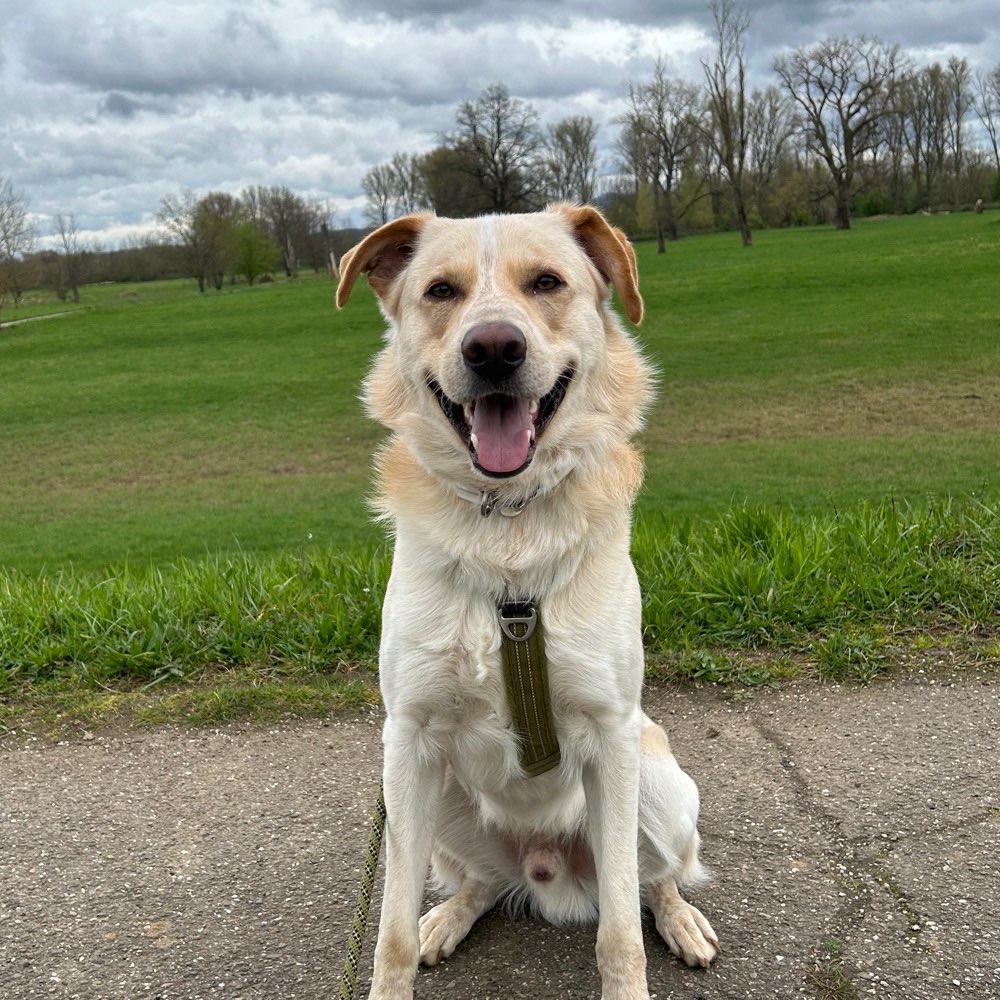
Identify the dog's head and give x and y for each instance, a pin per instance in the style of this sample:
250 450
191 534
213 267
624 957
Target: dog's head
502 351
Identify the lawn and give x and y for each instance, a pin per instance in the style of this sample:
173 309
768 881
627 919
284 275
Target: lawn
814 370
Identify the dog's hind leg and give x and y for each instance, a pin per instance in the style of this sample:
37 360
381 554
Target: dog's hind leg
668 848
683 926
447 924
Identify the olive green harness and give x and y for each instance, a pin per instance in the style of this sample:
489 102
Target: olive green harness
526 682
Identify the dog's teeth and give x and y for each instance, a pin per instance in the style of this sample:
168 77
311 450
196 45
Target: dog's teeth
533 407
467 410
475 442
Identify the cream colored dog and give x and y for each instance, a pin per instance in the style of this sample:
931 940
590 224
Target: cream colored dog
512 391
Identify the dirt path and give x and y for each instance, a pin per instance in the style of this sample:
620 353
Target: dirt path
853 835
32 319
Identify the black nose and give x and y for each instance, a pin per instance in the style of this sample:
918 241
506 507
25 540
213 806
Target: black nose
494 351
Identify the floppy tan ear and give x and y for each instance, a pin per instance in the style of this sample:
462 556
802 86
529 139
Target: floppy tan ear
381 255
611 252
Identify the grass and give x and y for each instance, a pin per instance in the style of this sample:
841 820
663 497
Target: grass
184 424
749 598
184 475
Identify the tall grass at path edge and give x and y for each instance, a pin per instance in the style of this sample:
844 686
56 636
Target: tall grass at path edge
836 589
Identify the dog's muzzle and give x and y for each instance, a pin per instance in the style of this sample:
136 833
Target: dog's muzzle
500 429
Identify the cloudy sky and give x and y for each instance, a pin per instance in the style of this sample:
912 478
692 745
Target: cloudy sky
108 105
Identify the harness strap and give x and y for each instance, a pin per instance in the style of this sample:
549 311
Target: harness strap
526 680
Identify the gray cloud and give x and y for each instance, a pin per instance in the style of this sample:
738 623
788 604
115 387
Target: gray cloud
111 104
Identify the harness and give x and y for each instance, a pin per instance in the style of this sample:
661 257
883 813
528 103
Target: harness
526 682
522 652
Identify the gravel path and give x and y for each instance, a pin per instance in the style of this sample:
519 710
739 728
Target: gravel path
853 833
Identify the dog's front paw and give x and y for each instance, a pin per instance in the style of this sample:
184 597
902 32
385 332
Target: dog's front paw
441 930
688 934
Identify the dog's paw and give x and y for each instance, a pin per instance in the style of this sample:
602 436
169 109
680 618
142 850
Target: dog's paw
688 934
442 929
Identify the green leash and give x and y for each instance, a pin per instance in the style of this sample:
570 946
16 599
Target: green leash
359 925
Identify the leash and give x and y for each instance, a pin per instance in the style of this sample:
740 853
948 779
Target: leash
359 925
526 680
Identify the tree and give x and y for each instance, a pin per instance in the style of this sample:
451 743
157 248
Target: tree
397 187
842 87
987 106
921 100
769 126
379 186
502 145
17 241
179 217
960 102
71 257
659 138
571 159
450 184
215 217
409 193
251 251
282 215
728 129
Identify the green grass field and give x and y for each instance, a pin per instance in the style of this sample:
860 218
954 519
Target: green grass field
814 370
214 444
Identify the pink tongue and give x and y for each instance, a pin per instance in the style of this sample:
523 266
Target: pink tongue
503 427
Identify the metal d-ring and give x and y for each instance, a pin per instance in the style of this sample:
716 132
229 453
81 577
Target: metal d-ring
518 613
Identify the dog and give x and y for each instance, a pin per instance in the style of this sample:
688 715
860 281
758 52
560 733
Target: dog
512 392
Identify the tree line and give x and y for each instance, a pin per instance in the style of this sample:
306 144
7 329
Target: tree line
850 126
214 239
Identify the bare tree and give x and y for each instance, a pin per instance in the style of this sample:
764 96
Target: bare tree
769 125
502 143
987 106
842 87
960 101
71 258
921 99
727 130
178 217
203 228
17 240
410 192
571 159
659 136
379 186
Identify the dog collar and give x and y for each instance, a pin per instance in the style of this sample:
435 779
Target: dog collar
489 501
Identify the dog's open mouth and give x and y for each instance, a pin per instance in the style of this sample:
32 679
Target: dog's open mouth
501 431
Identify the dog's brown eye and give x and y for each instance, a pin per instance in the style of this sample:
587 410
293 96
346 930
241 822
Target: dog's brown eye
546 283
441 290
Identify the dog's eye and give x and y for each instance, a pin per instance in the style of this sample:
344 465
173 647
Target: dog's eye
440 290
546 283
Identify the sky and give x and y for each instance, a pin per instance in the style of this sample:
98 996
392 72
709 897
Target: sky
109 105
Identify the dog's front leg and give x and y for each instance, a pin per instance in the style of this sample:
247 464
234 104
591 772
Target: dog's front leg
413 777
612 791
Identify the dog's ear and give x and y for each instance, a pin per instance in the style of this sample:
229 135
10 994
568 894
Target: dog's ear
381 255
611 252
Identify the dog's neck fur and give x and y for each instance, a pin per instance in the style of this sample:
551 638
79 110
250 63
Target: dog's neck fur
531 554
